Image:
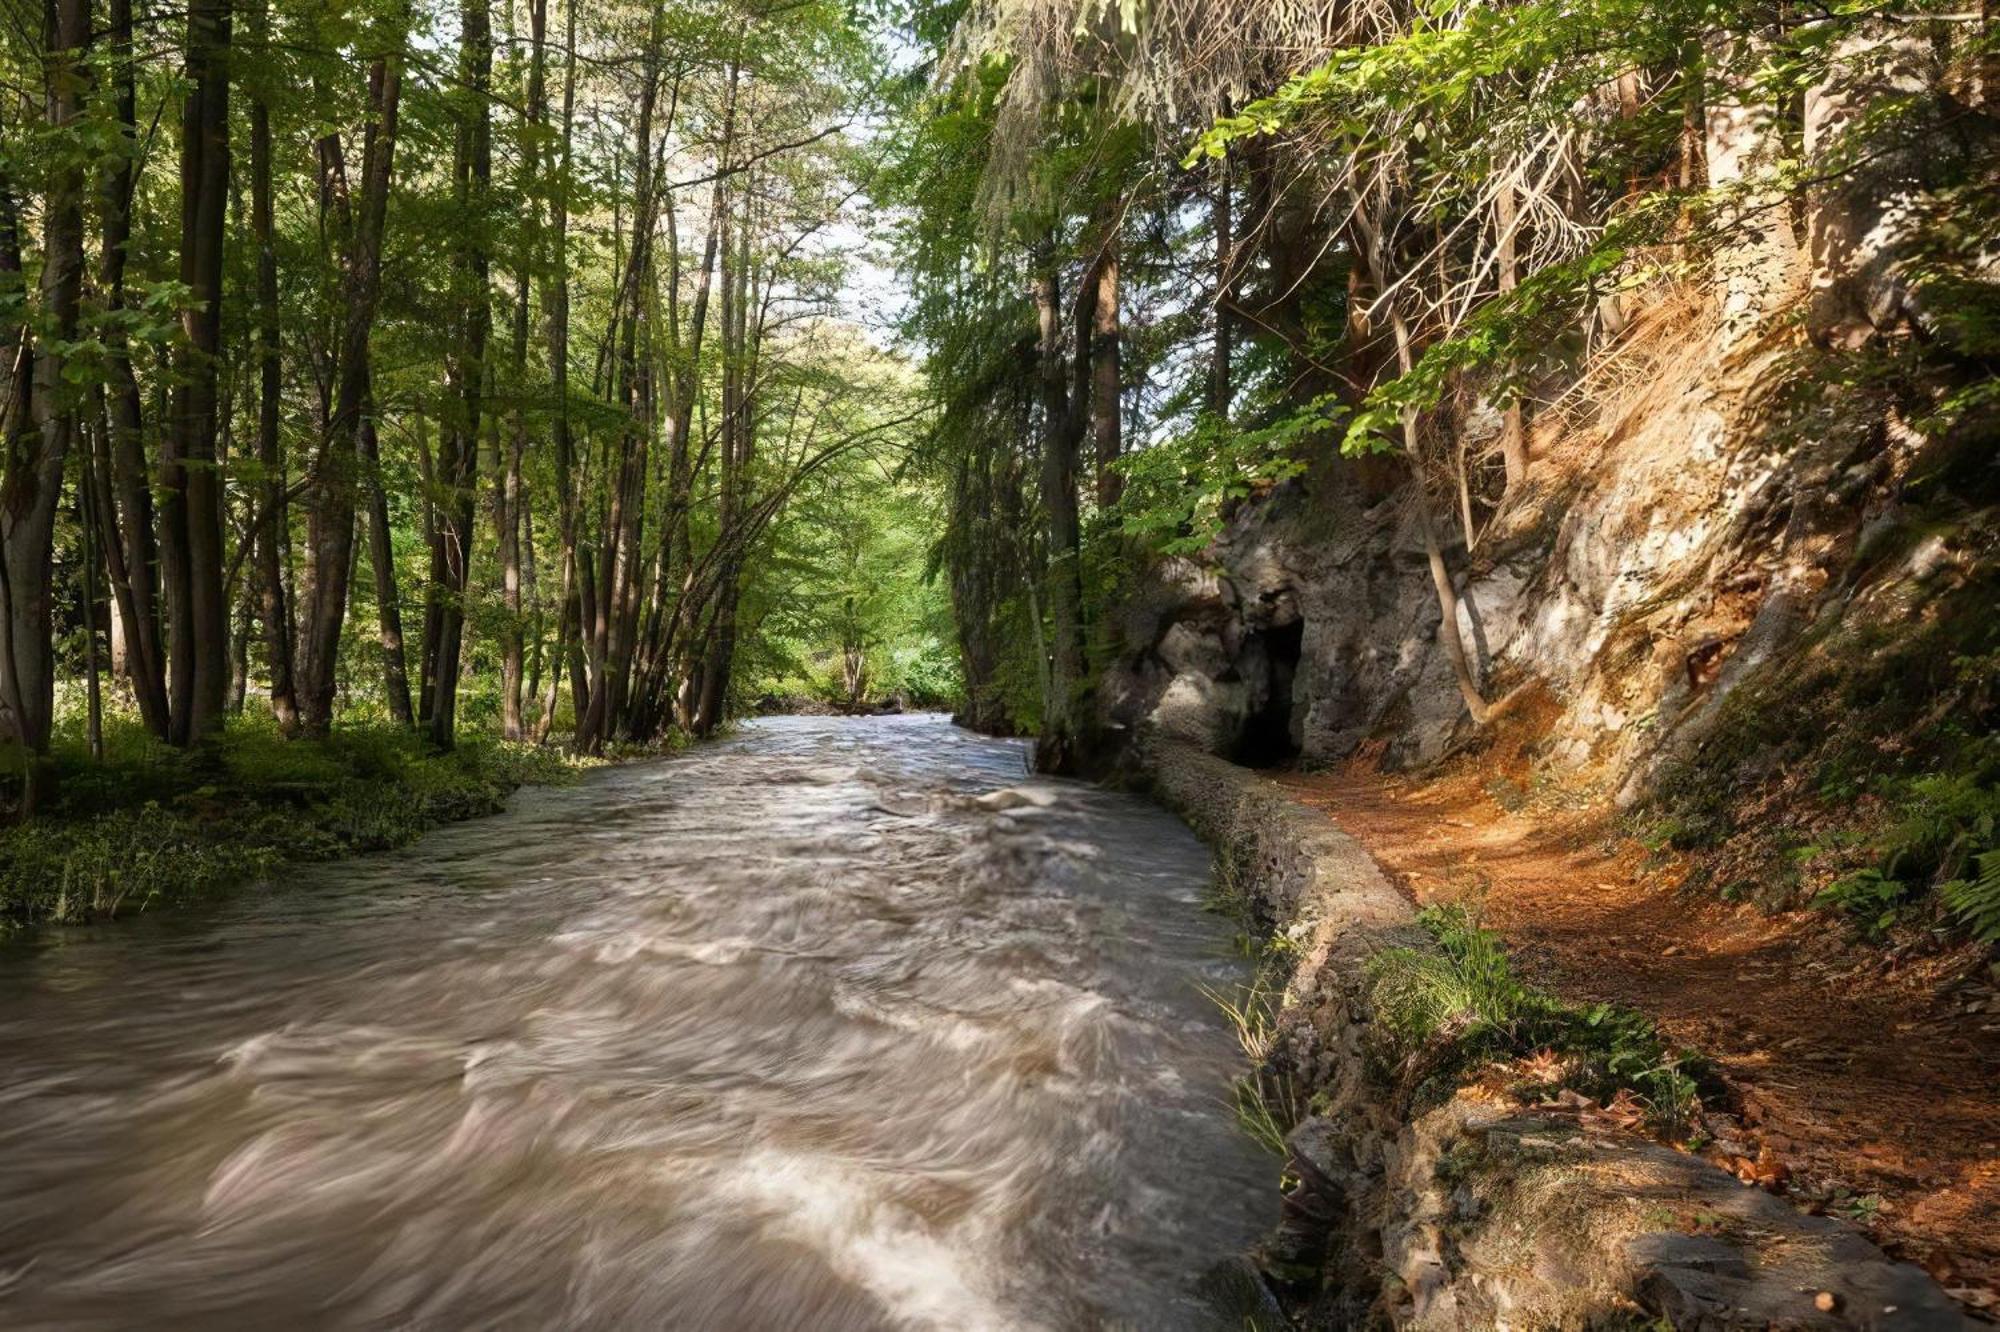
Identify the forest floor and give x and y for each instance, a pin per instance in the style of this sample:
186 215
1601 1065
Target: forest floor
146 826
1878 1093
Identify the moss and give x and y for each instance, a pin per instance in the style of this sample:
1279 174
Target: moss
148 825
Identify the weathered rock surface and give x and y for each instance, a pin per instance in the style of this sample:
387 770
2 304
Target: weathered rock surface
1476 1215
1669 543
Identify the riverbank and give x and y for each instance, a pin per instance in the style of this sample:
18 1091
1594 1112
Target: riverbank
1866 1077
1444 1170
150 826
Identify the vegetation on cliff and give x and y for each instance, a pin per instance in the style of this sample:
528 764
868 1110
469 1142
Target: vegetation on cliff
1170 260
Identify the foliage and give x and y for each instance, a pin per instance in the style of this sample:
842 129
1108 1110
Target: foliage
1178 491
1944 834
1449 1010
151 825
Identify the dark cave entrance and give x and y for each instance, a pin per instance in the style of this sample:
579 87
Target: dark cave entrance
1266 740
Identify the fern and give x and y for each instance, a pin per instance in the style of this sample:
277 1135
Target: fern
1976 900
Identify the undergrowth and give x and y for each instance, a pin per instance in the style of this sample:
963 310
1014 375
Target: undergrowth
1864 777
148 824
1449 1011
1267 1100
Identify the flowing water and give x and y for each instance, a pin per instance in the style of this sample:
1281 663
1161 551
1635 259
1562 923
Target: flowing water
788 1032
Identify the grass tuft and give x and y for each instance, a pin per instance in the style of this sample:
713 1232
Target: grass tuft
1448 1011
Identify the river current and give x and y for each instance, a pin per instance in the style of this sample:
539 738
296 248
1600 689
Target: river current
792 1031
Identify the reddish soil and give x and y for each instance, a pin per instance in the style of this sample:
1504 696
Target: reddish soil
1865 1085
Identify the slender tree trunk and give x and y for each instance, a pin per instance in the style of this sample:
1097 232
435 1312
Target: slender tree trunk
1513 435
330 530
198 639
1059 748
1220 389
86 514
382 561
1106 414
125 479
31 483
465 370
1447 592
508 513
274 617
567 621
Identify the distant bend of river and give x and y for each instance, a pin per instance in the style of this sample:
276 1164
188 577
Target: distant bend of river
787 1032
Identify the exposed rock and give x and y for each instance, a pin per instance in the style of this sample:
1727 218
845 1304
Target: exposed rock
1668 547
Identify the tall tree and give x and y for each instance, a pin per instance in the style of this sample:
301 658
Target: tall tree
1060 745
31 487
330 522
191 517
466 371
272 578
125 500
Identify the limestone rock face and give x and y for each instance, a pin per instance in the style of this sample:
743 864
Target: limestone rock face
1660 553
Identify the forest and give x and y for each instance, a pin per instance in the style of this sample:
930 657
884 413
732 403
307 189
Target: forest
455 369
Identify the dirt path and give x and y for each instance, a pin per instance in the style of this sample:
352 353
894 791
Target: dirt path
1864 1088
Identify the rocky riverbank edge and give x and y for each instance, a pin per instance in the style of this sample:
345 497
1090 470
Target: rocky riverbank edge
1468 1209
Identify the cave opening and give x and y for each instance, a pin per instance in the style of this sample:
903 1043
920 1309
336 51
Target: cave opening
1266 740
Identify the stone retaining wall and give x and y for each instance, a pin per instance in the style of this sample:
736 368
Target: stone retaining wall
1481 1214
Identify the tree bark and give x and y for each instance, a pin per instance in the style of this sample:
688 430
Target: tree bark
1220 389
1106 399
126 498
465 366
32 482
382 562
1513 434
507 507
198 627
273 615
567 621
330 529
1059 748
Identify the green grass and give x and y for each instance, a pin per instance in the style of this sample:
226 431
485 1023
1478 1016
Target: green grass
1447 1012
148 825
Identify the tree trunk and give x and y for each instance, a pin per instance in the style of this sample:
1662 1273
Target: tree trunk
567 622
1447 592
125 482
508 508
198 630
465 367
273 615
1220 389
382 561
1059 748
1513 435
330 530
1106 380
31 485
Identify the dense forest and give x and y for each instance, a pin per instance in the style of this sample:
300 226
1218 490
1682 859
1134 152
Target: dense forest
402 361
595 372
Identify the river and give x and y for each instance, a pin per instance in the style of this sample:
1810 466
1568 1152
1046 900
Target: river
790 1031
